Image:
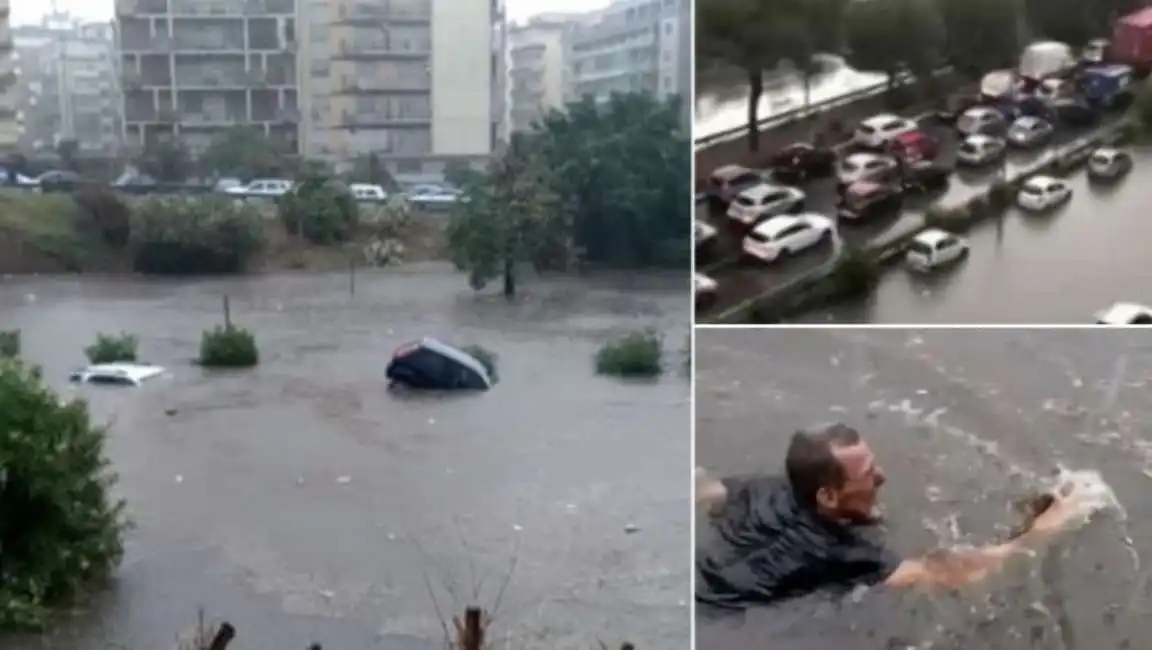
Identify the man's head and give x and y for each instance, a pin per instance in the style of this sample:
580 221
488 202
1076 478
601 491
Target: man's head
833 471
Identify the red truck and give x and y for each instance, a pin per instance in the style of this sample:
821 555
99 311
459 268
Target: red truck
1132 40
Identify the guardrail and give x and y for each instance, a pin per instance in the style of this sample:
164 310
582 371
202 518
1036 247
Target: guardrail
792 115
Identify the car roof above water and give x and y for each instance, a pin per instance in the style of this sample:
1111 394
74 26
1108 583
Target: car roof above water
133 373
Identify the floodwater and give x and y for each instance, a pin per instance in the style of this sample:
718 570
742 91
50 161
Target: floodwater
722 97
964 422
1057 267
302 502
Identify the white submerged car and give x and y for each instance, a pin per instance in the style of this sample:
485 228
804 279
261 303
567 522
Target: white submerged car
764 200
116 374
704 233
981 120
705 290
786 235
1125 313
978 150
864 167
935 248
1108 163
876 132
1028 132
1043 193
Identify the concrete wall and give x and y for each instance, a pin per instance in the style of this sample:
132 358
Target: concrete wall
463 80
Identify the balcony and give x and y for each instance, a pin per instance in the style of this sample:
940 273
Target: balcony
375 50
350 12
352 121
353 86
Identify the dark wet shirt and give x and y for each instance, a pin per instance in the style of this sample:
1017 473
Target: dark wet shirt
767 547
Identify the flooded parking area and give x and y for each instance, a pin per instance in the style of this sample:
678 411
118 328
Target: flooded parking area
303 502
964 423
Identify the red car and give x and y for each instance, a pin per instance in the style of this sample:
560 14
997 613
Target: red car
914 146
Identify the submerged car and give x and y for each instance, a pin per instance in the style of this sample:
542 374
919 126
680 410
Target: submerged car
978 150
981 120
801 161
935 248
1042 193
1108 163
926 176
876 132
428 364
728 181
116 374
1125 313
866 199
865 167
786 235
706 288
764 200
1028 132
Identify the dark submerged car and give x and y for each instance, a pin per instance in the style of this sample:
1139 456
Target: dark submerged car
869 199
800 161
429 364
926 176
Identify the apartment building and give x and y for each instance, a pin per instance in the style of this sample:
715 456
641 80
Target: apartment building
631 46
10 118
197 68
536 68
67 86
421 84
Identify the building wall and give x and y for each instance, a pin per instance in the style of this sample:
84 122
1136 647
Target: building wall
466 77
10 118
536 69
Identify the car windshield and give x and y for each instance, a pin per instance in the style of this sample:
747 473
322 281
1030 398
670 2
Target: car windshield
966 122
758 236
1031 190
920 248
867 128
1101 159
969 147
747 178
744 201
892 126
849 166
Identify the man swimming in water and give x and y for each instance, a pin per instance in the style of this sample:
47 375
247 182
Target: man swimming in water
781 537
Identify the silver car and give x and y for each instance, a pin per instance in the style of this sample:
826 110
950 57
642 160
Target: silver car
1029 131
977 150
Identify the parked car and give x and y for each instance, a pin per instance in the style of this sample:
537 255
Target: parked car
1053 89
800 161
1125 313
934 248
432 197
980 150
367 192
914 146
982 120
1043 193
428 364
876 132
786 235
1108 86
705 232
1095 51
1074 112
865 166
728 181
926 176
867 199
224 184
764 200
1030 132
706 288
956 105
116 374
262 188
1108 163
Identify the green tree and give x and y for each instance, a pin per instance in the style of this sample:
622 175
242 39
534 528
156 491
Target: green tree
817 29
894 36
459 174
1139 116
1075 22
246 153
166 159
67 149
981 35
746 34
501 217
320 209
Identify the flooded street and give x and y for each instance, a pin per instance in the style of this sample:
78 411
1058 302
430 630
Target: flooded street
303 502
964 422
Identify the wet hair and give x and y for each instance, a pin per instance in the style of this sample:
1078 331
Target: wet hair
811 464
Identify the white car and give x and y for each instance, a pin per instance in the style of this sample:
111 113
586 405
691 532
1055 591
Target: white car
1107 163
981 120
864 167
367 192
1029 131
980 149
1043 192
262 188
118 374
876 132
705 232
764 200
934 248
786 235
1125 313
704 285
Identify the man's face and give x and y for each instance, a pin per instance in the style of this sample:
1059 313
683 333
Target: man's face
855 500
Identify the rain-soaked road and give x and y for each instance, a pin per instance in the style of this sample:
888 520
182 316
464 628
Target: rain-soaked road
964 421
303 502
1059 267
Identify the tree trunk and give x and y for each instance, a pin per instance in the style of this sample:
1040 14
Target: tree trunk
509 278
755 92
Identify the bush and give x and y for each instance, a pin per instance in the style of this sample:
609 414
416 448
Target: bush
486 357
102 211
638 354
227 346
856 273
59 527
320 210
1001 194
111 349
195 235
9 344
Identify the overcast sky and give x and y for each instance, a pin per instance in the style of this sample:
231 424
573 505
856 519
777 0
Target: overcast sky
28 11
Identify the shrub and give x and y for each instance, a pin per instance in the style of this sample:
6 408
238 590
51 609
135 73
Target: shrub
227 346
194 235
1001 194
486 357
855 274
321 210
9 344
638 354
113 348
101 210
59 527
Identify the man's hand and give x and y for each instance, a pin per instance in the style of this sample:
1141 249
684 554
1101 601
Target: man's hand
1064 513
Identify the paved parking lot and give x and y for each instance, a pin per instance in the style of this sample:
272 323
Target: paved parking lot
741 279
